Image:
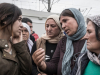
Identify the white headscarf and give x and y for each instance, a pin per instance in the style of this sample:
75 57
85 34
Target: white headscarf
29 42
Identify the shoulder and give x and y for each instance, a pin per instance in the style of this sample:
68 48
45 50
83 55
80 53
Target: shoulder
64 38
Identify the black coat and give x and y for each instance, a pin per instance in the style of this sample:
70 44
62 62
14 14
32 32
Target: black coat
32 38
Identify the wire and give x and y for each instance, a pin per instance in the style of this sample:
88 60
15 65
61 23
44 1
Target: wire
44 5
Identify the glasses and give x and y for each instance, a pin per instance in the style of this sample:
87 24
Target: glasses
75 56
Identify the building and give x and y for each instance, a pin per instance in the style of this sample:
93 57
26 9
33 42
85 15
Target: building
38 18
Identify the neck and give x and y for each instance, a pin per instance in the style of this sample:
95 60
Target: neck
4 34
97 52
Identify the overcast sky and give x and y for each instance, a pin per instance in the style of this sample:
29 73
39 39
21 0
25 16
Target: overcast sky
88 7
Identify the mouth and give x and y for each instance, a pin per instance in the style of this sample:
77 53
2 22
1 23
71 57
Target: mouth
67 31
87 43
49 33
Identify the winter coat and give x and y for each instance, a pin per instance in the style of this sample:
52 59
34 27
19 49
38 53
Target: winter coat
55 64
17 63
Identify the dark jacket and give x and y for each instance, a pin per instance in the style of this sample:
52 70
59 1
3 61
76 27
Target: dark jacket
55 64
50 49
84 63
18 63
32 38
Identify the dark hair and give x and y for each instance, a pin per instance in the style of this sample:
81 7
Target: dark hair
97 29
66 12
25 20
9 13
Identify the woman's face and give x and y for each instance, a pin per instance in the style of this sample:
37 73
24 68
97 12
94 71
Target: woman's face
92 43
25 33
69 25
52 29
17 27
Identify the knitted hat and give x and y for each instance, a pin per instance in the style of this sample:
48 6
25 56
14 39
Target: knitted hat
56 19
95 19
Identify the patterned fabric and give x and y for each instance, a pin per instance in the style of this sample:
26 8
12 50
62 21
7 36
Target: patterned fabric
93 57
95 19
81 31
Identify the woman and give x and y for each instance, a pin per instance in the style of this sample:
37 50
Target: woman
13 59
48 41
69 47
89 62
26 36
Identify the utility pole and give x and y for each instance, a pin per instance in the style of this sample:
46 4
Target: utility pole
49 7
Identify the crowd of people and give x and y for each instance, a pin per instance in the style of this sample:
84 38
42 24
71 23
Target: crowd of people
67 47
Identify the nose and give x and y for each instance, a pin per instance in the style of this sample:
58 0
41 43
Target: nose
63 25
23 32
86 36
21 25
49 28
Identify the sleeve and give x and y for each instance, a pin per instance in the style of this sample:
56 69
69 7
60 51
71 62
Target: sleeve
53 64
34 67
24 58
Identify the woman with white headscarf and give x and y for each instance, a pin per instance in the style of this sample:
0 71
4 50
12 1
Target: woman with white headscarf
26 36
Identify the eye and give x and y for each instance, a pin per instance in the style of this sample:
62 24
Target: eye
26 30
88 31
47 25
53 25
19 19
64 20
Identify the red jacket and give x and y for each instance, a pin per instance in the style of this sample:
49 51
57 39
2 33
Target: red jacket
35 36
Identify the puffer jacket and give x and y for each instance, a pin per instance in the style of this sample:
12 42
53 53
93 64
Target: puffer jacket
17 63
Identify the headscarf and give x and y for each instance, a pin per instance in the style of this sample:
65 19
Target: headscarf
95 19
95 59
81 31
29 42
61 34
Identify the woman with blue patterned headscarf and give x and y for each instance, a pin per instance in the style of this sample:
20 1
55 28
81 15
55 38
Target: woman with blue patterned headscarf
69 47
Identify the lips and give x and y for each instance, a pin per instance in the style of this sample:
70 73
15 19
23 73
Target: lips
67 31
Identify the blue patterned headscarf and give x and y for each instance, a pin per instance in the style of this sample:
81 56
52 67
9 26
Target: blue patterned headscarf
81 31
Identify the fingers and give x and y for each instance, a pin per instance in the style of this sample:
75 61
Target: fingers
39 74
38 56
17 39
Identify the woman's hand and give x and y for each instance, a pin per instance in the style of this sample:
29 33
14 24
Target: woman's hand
39 57
17 39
